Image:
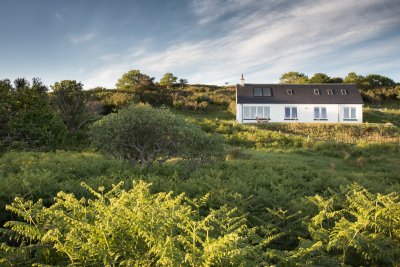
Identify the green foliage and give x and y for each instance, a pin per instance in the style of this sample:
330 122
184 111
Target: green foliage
72 104
373 81
28 121
293 77
134 80
344 133
143 134
369 82
168 80
320 78
382 115
133 228
358 227
336 80
381 95
352 77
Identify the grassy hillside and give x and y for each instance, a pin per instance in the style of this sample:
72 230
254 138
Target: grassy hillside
294 186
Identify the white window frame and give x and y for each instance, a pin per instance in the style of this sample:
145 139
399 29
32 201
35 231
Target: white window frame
254 112
351 114
319 116
291 117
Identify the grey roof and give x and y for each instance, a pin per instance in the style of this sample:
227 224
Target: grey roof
302 94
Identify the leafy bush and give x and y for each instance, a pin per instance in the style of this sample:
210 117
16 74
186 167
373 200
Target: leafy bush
130 228
143 134
28 122
345 133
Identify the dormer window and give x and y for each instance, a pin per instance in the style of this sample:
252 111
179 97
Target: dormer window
257 91
317 92
290 91
329 91
343 91
267 92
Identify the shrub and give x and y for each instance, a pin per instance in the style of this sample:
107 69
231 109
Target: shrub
142 134
126 228
28 122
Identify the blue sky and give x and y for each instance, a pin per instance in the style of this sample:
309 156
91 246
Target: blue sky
205 41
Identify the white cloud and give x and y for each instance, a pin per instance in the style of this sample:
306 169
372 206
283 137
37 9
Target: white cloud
303 35
77 39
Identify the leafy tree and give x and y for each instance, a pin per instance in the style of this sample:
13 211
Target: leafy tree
319 78
142 134
293 77
168 80
352 77
72 104
134 80
5 104
29 121
183 82
373 81
336 80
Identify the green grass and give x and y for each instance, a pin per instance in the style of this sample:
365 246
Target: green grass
382 115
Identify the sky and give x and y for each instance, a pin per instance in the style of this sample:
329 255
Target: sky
204 41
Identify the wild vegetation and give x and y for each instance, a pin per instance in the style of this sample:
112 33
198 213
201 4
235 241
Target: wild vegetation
159 174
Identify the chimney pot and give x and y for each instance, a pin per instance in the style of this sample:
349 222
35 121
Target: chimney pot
242 80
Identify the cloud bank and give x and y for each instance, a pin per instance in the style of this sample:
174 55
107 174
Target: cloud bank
263 39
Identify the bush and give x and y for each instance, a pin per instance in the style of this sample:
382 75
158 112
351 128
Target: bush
142 134
126 228
28 121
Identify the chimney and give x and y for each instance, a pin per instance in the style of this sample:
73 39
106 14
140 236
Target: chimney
242 80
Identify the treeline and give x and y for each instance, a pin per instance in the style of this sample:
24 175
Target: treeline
33 116
374 88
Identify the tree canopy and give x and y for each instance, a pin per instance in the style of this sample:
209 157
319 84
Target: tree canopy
72 104
319 78
142 134
134 80
293 77
168 80
28 120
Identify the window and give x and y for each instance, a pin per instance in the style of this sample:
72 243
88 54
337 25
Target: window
320 114
290 113
267 92
343 91
349 114
317 92
290 91
256 112
262 91
329 91
257 91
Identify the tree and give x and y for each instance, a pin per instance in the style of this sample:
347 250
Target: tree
293 77
142 134
374 81
352 77
168 80
319 78
336 80
29 121
72 104
133 80
183 82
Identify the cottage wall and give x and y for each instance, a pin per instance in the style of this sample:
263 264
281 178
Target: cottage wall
305 112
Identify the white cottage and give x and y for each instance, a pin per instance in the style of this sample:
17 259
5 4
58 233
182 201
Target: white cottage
329 102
